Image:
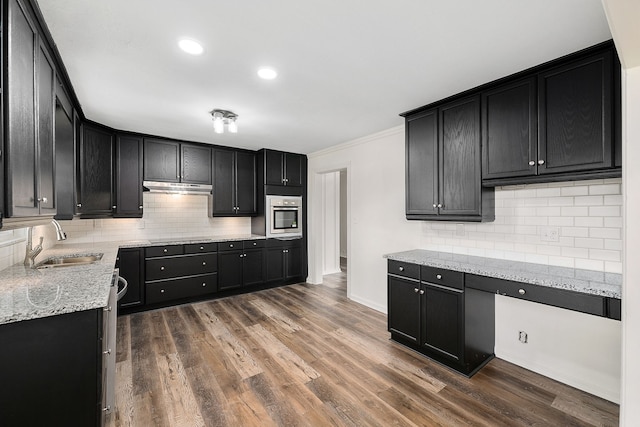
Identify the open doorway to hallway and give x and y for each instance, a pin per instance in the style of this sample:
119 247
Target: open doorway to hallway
334 226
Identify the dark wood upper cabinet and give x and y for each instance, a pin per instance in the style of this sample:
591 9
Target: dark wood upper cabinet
173 161
422 163
65 161
443 164
95 172
161 160
234 183
575 117
284 168
128 175
195 164
29 97
509 130
459 158
556 122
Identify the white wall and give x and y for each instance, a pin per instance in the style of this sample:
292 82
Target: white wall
587 213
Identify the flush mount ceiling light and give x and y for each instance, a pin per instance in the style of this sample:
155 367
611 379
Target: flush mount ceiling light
267 73
191 46
224 117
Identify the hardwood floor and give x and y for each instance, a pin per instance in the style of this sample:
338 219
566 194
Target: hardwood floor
304 355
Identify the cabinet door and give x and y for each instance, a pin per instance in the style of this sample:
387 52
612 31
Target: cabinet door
230 270
275 264
223 200
128 177
65 163
161 160
575 116
443 321
20 97
422 163
196 164
274 167
46 151
253 267
95 195
245 183
293 264
509 129
460 171
293 173
403 308
130 263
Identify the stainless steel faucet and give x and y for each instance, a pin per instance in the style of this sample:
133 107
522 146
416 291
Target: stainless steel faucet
31 253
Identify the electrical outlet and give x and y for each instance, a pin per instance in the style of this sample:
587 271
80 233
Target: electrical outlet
523 337
549 234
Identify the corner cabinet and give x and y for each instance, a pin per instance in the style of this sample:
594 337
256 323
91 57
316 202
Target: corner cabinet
443 164
431 311
234 183
29 95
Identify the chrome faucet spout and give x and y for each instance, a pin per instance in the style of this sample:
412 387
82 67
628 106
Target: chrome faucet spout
31 253
60 234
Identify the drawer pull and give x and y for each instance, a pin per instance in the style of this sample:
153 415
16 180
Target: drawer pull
231 245
255 244
521 291
401 268
204 263
164 250
439 276
416 290
202 248
162 291
162 268
204 284
108 351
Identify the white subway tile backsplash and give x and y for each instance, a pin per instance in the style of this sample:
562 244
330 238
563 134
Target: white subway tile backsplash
587 213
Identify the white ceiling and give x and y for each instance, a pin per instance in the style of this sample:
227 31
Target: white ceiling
347 68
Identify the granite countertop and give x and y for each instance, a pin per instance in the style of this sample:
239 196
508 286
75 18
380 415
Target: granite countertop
572 279
27 293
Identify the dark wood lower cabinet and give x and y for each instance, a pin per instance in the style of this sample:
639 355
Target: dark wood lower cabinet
181 288
50 371
285 260
130 261
241 264
432 312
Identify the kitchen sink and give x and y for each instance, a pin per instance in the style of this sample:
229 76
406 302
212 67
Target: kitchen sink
68 261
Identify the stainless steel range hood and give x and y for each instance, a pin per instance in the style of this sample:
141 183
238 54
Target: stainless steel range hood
177 188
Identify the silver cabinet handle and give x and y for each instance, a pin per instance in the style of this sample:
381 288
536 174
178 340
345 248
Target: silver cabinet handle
521 291
204 263
401 268
440 205
164 250
435 206
541 162
140 207
438 276
79 205
202 248
531 163
162 291
42 199
204 284
231 245
114 206
107 351
416 290
421 291
162 268
107 409
255 244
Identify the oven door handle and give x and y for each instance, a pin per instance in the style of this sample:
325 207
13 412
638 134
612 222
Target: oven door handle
122 291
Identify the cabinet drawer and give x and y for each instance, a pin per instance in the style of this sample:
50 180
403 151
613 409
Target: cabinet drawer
404 269
576 301
156 251
186 287
178 266
230 246
440 276
250 244
197 248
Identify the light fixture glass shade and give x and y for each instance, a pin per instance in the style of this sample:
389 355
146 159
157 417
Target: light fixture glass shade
218 123
232 126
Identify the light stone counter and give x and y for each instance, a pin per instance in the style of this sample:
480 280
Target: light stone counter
572 279
27 293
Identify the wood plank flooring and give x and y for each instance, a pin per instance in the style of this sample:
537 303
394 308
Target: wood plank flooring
305 355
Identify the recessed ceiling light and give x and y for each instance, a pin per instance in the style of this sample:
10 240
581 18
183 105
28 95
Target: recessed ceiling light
267 73
191 46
